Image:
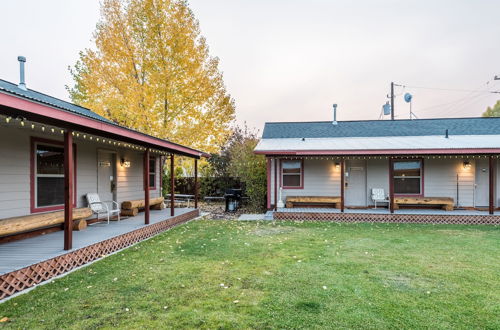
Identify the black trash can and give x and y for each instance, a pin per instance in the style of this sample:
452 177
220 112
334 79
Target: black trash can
233 199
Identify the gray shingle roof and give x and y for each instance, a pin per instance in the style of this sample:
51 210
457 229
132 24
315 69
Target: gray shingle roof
372 128
11 88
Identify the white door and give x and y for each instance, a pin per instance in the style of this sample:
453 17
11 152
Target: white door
482 183
106 176
355 183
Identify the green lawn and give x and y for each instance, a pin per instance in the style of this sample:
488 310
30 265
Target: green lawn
229 274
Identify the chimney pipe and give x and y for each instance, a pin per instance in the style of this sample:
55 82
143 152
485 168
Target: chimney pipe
22 83
334 114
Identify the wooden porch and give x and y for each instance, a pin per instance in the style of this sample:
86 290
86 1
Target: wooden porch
27 262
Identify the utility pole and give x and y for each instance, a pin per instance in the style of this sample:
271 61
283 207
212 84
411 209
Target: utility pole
392 101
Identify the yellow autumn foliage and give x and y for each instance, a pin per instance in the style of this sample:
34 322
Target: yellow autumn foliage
151 71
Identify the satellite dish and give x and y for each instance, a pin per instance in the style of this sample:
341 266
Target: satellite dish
408 97
387 109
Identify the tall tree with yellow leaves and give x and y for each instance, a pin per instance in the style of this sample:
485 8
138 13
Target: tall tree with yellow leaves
151 70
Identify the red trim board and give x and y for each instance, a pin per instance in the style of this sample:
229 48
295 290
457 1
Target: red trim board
379 152
84 122
268 165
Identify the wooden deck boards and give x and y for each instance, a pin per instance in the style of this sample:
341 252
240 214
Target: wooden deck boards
19 254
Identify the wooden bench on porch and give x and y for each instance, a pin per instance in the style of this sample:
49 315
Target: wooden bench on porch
131 208
16 225
445 202
311 201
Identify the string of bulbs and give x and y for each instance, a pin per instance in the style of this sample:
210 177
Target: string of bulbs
21 122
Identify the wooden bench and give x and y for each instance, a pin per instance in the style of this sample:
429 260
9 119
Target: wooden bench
308 201
446 203
131 208
31 222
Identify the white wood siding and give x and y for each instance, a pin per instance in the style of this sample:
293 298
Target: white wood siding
130 180
86 171
377 176
15 148
321 178
14 173
440 180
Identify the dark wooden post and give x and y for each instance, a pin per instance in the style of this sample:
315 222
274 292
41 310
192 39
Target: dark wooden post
276 184
391 185
195 183
172 186
68 189
491 185
342 184
146 187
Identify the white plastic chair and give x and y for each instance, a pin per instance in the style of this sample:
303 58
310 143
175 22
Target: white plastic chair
99 207
379 196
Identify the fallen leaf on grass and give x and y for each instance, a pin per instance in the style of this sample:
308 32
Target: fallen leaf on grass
4 319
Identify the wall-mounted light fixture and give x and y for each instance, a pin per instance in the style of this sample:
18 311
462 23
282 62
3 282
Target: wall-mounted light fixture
125 163
337 166
467 165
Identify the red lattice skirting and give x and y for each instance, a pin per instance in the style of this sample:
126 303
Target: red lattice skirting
396 218
18 280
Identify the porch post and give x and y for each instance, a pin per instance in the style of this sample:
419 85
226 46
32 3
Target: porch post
276 184
172 187
268 177
146 186
68 189
391 185
342 184
195 183
491 185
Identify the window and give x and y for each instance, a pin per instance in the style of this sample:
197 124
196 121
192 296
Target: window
408 177
49 175
292 174
152 173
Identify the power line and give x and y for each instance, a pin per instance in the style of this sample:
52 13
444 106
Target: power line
452 89
473 95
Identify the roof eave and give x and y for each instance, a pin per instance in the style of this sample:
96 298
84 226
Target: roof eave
379 152
53 113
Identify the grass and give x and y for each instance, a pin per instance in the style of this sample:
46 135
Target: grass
229 274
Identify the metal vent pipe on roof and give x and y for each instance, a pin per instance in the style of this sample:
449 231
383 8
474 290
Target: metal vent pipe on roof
334 114
22 83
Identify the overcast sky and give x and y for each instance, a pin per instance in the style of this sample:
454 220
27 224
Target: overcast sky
289 60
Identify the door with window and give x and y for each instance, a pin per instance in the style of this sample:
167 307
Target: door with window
355 183
106 182
482 197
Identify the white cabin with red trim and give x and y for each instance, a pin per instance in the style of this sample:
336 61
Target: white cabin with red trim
36 130
454 158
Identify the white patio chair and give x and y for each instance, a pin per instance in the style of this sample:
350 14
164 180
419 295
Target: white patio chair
99 207
379 196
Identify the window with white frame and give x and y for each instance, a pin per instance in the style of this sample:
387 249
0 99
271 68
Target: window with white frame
408 177
291 173
49 175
